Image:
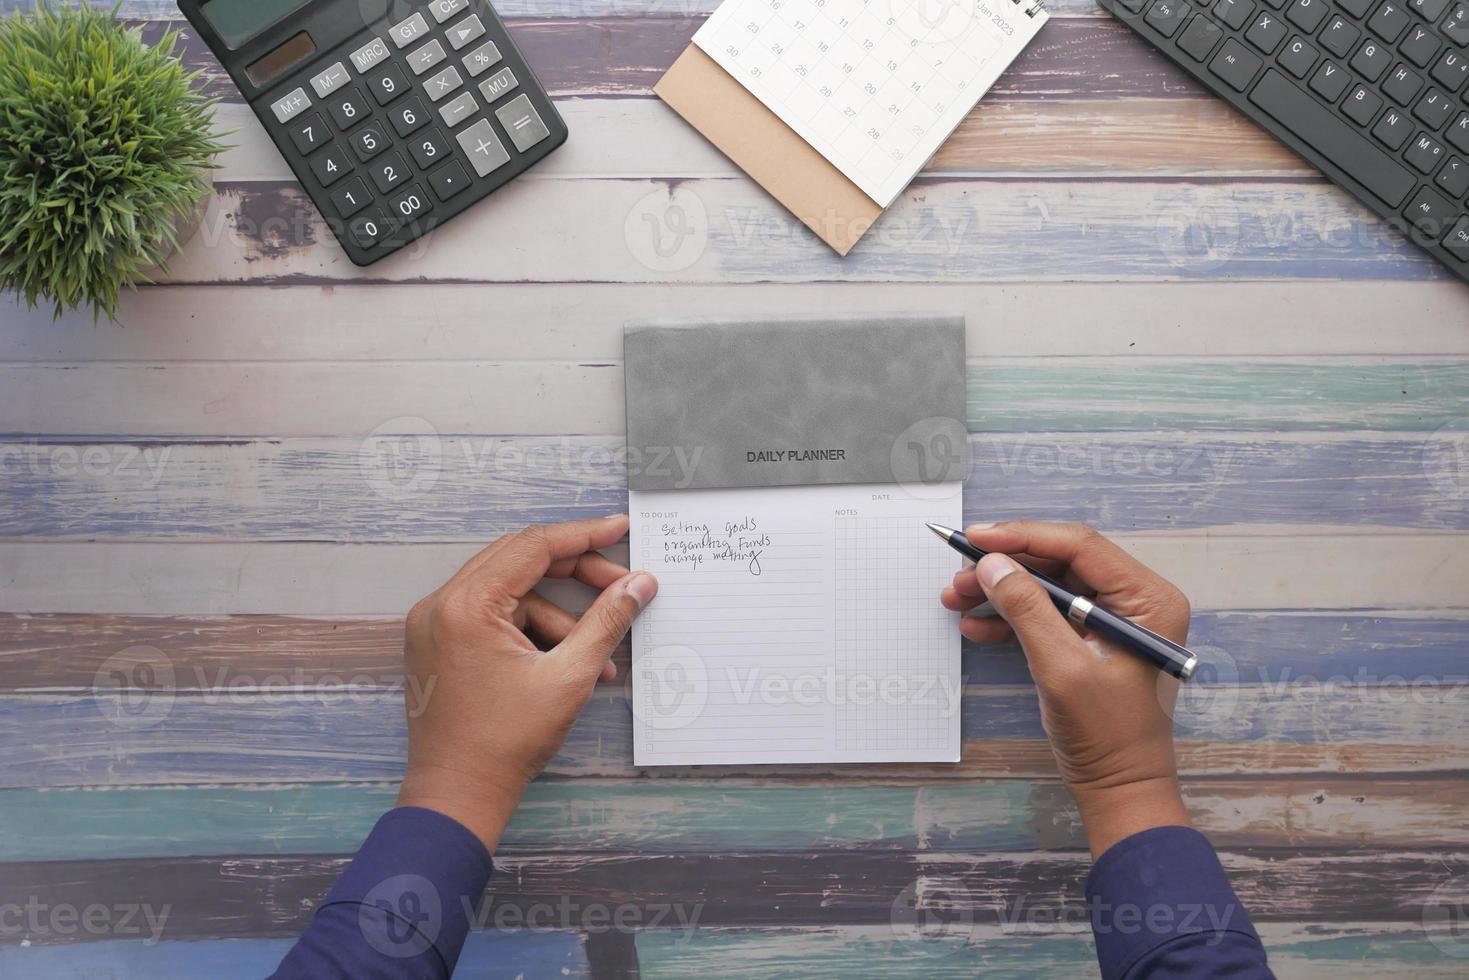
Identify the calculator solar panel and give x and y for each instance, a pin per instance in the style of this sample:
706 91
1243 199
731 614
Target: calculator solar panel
395 116
1371 92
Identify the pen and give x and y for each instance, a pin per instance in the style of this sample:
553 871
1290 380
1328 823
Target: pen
1160 651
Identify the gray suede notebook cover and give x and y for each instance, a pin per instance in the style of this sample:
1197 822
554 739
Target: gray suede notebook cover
797 401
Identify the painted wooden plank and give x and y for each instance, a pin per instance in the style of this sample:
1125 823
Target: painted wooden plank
567 398
696 816
447 322
63 653
728 230
1220 569
144 738
274 896
477 488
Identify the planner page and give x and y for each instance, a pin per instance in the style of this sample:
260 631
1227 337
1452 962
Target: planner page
795 624
875 86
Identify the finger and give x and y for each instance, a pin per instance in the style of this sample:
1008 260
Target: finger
956 601
986 631
526 557
593 568
1096 561
592 640
545 620
1048 640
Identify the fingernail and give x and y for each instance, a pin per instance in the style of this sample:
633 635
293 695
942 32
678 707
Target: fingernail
992 569
980 527
642 587
615 517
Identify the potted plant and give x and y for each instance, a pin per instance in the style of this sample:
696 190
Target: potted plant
105 150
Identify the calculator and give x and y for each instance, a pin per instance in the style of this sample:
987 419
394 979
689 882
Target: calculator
395 115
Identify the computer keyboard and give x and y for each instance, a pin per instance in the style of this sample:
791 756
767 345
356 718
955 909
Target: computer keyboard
1371 92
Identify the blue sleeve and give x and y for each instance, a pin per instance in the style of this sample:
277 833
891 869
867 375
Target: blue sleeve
1161 908
403 906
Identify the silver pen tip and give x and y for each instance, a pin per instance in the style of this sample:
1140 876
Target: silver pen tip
1189 667
939 529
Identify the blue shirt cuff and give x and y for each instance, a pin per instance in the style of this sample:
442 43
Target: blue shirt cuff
1159 887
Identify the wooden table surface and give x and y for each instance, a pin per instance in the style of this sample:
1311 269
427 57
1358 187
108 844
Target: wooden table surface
1177 332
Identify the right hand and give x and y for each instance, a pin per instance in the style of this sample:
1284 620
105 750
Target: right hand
1108 712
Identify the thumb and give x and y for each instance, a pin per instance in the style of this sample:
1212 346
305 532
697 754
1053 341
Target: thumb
1042 630
591 641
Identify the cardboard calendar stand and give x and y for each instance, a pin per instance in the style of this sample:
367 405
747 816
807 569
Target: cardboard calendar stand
795 174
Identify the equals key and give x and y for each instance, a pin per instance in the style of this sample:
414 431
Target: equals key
522 122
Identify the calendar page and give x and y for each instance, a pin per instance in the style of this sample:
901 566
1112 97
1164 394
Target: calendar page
875 86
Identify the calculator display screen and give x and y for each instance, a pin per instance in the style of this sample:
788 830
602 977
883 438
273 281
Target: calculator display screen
237 21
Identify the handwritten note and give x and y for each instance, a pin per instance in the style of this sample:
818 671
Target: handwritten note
795 624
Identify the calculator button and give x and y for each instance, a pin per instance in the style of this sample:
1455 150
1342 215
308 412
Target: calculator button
310 133
351 197
443 84
388 172
389 85
405 32
369 141
448 180
348 108
498 84
369 54
330 80
290 105
330 165
522 122
426 57
408 117
481 59
483 147
468 29
444 9
410 204
368 229
458 109
429 148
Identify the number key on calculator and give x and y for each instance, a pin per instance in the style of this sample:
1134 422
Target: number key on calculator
395 125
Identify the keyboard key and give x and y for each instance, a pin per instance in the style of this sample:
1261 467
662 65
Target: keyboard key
290 105
1340 37
405 32
1393 129
1419 46
1458 134
1361 105
1456 25
1371 60
369 141
1199 38
408 117
410 204
1235 64
1401 85
351 197
1166 16
1267 32
388 172
498 85
1430 213
426 57
467 30
1425 154
1428 9
1330 81
444 9
1234 13
458 109
1307 14
1297 58
483 147
1357 8
330 165
448 180
389 85
348 108
429 148
310 133
1453 179
369 55
1457 240
522 122
330 80
1320 128
368 229
481 59
442 85
1389 22
1434 109
1451 69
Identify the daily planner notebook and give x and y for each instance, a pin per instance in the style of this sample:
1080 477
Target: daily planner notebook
780 475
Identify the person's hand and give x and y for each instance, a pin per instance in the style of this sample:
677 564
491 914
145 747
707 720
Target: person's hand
499 673
1108 712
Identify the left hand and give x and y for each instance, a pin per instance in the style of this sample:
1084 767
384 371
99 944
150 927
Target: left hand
495 707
